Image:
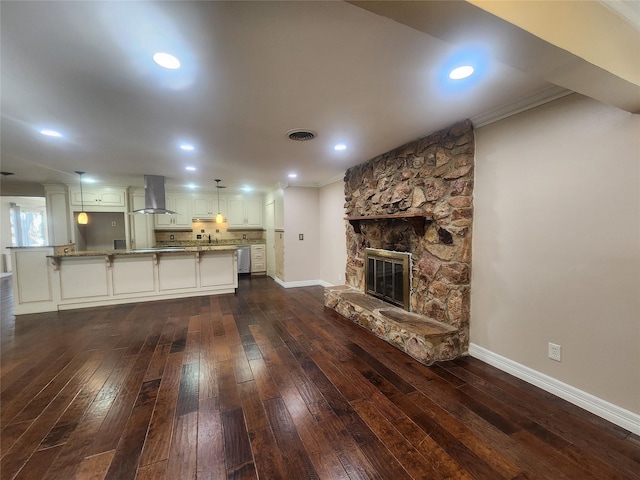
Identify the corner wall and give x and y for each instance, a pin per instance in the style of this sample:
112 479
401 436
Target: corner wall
333 245
301 257
557 245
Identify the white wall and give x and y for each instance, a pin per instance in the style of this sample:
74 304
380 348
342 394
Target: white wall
556 245
333 244
301 216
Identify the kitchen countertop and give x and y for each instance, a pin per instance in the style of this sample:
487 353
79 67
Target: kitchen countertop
213 243
146 251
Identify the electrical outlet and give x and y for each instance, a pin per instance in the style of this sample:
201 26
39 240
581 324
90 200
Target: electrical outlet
555 352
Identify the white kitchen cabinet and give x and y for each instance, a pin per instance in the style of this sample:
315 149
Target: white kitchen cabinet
58 215
207 207
98 197
258 259
244 212
141 225
181 204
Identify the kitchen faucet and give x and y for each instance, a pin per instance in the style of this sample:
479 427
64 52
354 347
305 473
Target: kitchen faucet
208 236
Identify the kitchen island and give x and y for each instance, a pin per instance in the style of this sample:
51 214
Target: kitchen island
46 280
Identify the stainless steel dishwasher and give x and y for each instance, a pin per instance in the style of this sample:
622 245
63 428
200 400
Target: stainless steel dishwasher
244 259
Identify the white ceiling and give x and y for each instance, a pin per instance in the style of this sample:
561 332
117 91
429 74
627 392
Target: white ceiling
251 72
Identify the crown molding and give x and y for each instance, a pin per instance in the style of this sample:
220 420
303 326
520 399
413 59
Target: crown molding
526 103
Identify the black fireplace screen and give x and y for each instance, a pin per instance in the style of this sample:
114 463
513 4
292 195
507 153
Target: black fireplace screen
387 275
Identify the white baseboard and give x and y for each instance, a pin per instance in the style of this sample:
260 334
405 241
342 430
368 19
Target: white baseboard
302 283
613 413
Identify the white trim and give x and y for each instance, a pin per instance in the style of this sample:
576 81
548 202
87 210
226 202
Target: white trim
613 413
302 283
332 180
628 10
540 98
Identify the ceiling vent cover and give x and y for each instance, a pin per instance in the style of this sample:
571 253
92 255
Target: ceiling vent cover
301 135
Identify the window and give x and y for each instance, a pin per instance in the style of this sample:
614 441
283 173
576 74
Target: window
28 226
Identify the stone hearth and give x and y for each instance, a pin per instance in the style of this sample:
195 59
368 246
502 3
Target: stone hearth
430 178
424 339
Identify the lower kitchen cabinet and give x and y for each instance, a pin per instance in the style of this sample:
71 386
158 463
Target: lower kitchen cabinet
258 259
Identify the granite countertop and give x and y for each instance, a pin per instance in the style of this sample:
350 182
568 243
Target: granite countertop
61 245
145 251
213 243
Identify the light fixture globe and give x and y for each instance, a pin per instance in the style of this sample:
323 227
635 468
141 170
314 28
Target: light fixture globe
83 218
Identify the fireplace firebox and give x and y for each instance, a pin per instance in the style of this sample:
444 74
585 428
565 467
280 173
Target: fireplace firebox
388 276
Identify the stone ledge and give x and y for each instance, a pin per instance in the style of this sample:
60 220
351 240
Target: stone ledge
421 337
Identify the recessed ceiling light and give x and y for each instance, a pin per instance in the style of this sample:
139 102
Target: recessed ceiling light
339 147
192 186
187 147
293 175
246 188
50 133
89 180
166 60
461 72
190 168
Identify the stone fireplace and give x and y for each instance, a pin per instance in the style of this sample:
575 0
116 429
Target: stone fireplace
415 202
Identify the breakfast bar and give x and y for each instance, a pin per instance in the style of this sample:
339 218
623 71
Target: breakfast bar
46 279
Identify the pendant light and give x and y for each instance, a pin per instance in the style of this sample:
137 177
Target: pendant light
83 218
219 217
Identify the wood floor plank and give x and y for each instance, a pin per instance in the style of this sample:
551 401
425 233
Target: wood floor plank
269 461
210 455
188 394
158 442
412 461
252 407
95 467
154 471
266 383
38 464
71 417
182 462
127 454
237 447
298 463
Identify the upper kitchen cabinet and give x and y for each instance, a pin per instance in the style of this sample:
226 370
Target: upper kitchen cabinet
244 212
207 206
58 215
181 204
98 197
141 226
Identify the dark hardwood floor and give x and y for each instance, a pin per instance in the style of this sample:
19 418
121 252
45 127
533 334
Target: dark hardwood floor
267 384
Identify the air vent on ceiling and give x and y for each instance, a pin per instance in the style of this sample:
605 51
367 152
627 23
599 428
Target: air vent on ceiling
301 135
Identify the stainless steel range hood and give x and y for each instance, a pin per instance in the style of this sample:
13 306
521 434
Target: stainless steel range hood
154 197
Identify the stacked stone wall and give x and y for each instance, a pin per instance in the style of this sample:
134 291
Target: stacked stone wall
434 176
